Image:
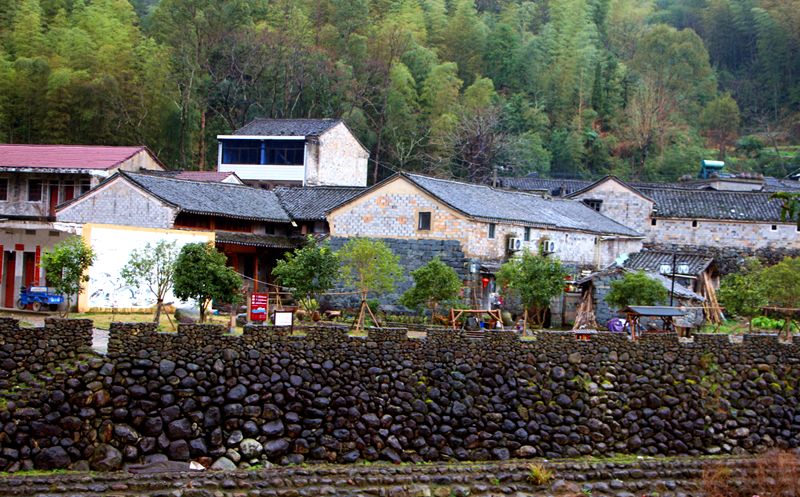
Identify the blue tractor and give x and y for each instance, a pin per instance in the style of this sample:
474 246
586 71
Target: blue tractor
38 296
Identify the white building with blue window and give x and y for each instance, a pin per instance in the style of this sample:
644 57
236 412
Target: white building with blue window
294 152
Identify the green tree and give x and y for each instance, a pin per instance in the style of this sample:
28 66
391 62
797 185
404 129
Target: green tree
201 273
65 267
533 279
720 121
742 293
435 283
152 267
309 271
781 284
371 267
636 289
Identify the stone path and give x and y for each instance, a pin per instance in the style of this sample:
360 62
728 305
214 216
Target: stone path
665 477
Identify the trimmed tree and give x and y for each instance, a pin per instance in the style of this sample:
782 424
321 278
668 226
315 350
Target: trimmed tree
152 267
309 270
636 289
434 283
534 279
201 273
65 266
369 266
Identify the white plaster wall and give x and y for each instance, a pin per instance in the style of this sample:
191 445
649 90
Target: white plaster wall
113 246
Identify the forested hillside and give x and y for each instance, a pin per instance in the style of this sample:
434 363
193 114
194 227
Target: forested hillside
576 88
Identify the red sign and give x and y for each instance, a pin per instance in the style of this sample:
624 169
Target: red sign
259 305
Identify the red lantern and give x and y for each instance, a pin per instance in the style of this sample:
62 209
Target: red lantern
485 282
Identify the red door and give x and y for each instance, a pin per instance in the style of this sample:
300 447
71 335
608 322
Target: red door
11 263
29 268
53 199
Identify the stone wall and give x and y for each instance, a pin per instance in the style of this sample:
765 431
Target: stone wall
619 478
621 204
747 235
31 355
115 203
330 397
337 159
413 255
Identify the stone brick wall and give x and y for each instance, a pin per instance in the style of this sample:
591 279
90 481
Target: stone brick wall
119 203
621 205
331 397
716 233
337 159
413 254
729 259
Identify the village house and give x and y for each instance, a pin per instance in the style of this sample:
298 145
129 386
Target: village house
595 287
694 218
250 225
294 152
34 179
483 225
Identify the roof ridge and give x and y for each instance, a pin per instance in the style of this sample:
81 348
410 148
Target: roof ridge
170 178
712 191
493 188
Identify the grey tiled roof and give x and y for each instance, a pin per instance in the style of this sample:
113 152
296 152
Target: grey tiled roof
781 185
557 187
312 203
653 260
256 240
286 127
711 204
504 205
220 199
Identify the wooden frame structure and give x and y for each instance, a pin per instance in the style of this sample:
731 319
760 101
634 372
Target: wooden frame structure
665 313
457 313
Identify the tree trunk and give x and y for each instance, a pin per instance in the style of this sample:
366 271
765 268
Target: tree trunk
202 144
157 318
202 311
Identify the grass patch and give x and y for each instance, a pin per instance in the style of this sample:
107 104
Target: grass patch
538 474
35 472
103 320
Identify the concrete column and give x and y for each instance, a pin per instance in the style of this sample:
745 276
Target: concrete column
19 272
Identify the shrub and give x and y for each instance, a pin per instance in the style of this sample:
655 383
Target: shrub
539 474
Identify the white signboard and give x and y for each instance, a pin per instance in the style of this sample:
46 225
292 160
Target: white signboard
283 318
113 246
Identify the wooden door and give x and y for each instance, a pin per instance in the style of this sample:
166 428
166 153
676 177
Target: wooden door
11 263
53 199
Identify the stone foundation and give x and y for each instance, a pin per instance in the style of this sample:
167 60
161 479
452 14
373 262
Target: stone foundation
330 397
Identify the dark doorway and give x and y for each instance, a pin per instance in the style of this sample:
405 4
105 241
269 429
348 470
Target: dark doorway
53 199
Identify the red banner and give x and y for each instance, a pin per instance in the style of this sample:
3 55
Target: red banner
259 305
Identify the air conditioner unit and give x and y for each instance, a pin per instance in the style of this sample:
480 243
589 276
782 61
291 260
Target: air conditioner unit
548 246
514 244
